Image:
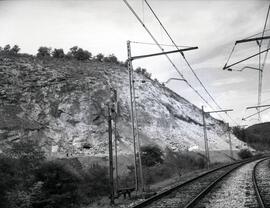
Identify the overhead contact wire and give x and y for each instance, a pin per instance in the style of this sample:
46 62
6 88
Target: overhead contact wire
174 66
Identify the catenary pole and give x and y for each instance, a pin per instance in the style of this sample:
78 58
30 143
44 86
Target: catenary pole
110 156
205 139
130 71
115 141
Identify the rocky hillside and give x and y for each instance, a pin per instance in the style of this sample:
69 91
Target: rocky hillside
60 103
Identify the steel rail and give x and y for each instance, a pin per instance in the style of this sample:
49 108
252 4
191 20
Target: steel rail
256 187
178 186
212 185
195 200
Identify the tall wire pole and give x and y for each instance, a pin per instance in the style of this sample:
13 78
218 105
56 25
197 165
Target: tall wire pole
110 156
130 71
115 141
260 67
205 130
141 187
230 141
259 83
205 139
138 140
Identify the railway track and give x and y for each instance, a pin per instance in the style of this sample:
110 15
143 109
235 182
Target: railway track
189 193
236 189
261 181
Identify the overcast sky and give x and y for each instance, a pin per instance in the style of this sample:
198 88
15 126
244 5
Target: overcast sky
105 26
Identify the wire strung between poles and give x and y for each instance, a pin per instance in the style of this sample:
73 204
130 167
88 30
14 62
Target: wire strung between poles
255 113
145 43
174 66
192 70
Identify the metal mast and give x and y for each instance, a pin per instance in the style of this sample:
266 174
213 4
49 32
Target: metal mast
130 71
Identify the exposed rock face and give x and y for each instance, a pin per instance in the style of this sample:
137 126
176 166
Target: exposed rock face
61 103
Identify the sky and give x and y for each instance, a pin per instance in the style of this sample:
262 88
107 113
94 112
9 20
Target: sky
106 25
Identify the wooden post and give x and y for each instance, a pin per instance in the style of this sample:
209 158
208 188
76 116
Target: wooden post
132 114
205 139
110 156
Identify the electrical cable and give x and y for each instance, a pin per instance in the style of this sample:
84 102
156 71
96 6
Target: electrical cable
143 11
230 55
194 73
260 74
145 43
255 34
265 23
256 113
264 30
174 66
261 71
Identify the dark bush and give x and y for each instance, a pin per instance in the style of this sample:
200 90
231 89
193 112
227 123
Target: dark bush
127 180
19 199
11 51
58 53
244 154
60 185
82 54
183 161
138 70
95 182
28 156
79 53
27 152
143 71
15 49
8 178
18 164
111 58
99 57
7 48
239 133
157 173
44 52
151 155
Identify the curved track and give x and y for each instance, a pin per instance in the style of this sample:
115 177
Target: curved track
234 189
189 193
261 182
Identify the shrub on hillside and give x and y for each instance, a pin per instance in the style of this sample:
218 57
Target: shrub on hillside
27 156
239 133
183 161
138 70
18 164
28 152
244 154
111 59
151 155
7 48
15 49
58 53
79 53
19 199
11 51
60 185
44 52
143 71
8 178
95 183
157 173
99 57
127 180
